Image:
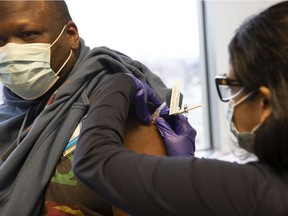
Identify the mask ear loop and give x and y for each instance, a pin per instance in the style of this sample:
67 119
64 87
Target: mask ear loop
64 62
245 97
58 36
69 54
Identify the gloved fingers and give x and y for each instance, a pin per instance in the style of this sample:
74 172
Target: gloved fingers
164 127
143 114
141 107
179 145
164 111
151 95
145 93
179 120
176 144
140 101
182 126
153 98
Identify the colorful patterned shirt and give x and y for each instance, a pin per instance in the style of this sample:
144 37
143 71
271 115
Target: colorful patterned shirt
65 195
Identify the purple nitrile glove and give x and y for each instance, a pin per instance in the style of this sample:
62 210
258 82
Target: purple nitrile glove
143 94
179 141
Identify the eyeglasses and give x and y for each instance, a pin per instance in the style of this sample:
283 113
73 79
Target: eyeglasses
227 88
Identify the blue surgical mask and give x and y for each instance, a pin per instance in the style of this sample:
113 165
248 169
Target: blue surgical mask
25 68
245 140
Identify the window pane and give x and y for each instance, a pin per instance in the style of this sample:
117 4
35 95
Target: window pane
164 35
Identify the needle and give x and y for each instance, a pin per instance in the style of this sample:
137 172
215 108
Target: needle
186 109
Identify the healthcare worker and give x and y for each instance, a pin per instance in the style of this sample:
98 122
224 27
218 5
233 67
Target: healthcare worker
256 87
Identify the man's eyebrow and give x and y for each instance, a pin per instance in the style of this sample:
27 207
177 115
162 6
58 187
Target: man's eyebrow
23 26
23 23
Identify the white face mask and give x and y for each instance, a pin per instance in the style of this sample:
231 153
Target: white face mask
245 140
25 68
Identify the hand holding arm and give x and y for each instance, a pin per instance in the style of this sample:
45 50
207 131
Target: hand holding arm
179 141
101 162
143 95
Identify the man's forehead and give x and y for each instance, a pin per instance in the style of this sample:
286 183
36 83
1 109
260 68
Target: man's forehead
22 8
18 16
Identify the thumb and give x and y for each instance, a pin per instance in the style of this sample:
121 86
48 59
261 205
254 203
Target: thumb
179 122
183 127
164 127
143 114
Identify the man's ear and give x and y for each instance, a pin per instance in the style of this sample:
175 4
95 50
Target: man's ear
73 36
265 103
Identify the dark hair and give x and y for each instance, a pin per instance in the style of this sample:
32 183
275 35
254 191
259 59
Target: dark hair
61 9
259 57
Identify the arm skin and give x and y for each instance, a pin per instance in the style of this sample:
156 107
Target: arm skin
150 185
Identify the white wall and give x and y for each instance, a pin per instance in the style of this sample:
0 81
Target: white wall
222 19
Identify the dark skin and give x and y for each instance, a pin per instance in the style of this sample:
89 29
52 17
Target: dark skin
33 22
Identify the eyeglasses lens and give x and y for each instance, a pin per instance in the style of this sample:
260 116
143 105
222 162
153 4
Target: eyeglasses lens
229 92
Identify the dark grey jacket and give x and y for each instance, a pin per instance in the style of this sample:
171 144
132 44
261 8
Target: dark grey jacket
25 172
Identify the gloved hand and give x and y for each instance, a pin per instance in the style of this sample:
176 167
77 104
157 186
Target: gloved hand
143 94
179 141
